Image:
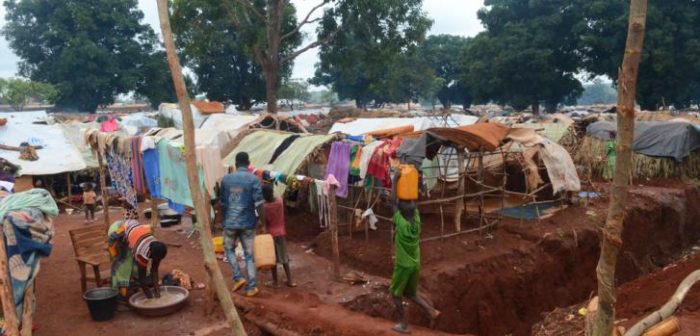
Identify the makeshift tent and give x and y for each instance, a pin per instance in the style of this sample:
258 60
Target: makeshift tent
262 144
138 120
672 139
57 153
551 131
208 107
366 125
173 112
661 149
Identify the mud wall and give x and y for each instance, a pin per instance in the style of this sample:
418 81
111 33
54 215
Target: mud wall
506 293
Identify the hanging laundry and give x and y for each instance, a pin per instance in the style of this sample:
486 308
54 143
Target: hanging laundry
137 166
282 147
355 158
366 157
209 158
109 126
121 175
151 169
339 166
173 174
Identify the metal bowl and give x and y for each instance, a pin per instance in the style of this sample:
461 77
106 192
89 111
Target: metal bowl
178 300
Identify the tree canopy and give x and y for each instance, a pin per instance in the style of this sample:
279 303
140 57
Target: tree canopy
369 53
527 56
669 73
18 92
218 52
90 50
442 53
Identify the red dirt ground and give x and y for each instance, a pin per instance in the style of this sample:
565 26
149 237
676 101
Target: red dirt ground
503 285
310 309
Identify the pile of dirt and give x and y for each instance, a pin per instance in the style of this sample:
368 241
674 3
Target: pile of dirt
503 285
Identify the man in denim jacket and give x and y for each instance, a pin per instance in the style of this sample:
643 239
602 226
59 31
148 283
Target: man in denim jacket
241 200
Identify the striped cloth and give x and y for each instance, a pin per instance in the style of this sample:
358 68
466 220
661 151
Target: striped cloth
139 238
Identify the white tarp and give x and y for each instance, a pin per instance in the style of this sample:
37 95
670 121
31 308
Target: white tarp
25 117
172 111
364 125
58 154
138 120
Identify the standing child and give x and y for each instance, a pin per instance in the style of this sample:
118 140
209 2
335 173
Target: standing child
273 214
90 203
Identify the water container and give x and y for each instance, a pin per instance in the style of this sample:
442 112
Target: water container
101 302
264 251
407 185
218 244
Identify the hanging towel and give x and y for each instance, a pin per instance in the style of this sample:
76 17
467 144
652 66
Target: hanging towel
137 166
366 157
151 171
339 166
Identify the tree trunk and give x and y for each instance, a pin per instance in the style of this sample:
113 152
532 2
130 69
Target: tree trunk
210 263
611 239
271 88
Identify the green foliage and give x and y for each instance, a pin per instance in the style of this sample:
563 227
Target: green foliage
670 69
219 51
294 90
528 55
372 50
91 50
598 92
442 52
19 92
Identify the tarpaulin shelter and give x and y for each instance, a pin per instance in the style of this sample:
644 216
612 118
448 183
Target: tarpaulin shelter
674 140
363 126
56 155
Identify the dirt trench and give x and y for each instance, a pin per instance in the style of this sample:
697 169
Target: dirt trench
505 285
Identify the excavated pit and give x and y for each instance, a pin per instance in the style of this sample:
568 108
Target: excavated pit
504 285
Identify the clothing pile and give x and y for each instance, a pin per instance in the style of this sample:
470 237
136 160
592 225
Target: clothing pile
28 230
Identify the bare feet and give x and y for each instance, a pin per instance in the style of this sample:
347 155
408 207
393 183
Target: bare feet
291 284
433 318
272 284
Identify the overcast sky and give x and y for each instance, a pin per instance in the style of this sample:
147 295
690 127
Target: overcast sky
456 17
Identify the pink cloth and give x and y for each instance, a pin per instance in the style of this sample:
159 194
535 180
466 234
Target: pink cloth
109 126
274 217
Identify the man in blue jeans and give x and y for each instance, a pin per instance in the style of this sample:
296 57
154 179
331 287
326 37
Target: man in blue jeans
241 196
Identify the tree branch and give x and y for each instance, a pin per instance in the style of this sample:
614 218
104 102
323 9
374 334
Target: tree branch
310 46
250 6
304 22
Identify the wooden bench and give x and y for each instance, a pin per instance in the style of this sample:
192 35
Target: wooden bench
90 248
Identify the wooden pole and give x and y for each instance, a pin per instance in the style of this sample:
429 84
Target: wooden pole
28 313
611 237
69 184
210 263
155 214
333 204
459 203
103 188
11 327
668 308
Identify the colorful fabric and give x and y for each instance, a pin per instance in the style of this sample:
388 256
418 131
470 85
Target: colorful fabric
137 166
173 174
151 170
28 236
241 193
121 175
366 157
123 264
274 217
609 169
407 239
404 281
339 166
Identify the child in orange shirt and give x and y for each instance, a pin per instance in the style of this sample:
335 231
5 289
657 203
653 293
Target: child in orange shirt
90 203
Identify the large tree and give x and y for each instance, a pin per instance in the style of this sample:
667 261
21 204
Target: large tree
370 39
670 69
442 53
89 49
216 50
272 38
528 54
